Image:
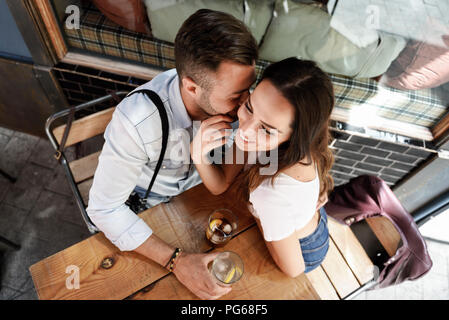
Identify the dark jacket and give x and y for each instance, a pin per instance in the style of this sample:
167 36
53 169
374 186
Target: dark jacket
369 196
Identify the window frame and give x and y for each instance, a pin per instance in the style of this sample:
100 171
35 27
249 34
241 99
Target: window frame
46 22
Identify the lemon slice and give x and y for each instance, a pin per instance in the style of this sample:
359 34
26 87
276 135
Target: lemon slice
215 223
229 276
232 273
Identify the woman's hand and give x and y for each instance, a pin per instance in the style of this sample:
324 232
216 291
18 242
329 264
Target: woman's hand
213 133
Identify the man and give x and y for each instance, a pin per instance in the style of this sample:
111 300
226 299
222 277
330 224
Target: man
215 66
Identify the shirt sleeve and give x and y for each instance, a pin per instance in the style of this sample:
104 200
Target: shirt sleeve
120 165
274 211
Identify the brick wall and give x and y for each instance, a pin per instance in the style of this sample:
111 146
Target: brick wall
81 84
357 150
389 156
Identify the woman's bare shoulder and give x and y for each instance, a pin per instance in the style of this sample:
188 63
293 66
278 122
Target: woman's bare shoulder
301 172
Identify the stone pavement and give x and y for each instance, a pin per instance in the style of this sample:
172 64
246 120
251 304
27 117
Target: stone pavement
39 213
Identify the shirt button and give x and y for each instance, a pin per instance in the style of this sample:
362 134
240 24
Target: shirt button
164 167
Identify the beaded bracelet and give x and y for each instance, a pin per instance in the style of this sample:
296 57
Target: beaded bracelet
171 262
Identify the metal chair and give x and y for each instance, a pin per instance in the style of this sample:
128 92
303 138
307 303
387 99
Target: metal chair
80 172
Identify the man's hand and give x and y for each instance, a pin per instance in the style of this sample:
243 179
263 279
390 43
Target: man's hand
213 133
191 270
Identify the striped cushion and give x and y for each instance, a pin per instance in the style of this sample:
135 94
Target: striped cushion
101 35
420 107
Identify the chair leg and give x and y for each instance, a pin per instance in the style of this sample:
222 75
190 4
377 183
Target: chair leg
7 176
9 244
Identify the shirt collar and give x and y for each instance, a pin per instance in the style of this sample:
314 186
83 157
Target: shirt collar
180 114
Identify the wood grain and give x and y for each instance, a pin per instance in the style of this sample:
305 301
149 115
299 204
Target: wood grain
384 124
338 271
104 63
181 222
84 168
441 127
84 188
85 128
386 232
262 279
177 222
351 249
322 285
52 27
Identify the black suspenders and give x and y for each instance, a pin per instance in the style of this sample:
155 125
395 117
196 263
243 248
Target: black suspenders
165 130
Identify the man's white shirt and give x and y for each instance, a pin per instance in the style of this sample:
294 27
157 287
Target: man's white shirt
133 141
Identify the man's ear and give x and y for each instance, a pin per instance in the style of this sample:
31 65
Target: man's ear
191 87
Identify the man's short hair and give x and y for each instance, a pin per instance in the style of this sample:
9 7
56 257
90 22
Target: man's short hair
208 38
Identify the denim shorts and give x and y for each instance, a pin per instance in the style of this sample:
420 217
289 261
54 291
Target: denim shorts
315 246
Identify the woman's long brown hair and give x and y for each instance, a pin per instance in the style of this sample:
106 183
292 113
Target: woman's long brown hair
309 90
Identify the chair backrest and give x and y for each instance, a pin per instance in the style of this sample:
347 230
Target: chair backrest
80 172
83 169
85 128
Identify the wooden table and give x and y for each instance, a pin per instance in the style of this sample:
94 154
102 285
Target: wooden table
182 223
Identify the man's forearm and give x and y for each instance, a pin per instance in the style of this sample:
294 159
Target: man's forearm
156 249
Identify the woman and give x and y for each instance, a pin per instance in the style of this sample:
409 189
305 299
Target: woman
288 114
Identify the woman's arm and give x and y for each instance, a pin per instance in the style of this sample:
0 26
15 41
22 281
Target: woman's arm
286 253
213 133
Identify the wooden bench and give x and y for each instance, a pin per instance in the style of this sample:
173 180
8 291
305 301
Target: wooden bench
181 222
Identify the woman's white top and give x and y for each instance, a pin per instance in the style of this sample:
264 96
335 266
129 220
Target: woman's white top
284 207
